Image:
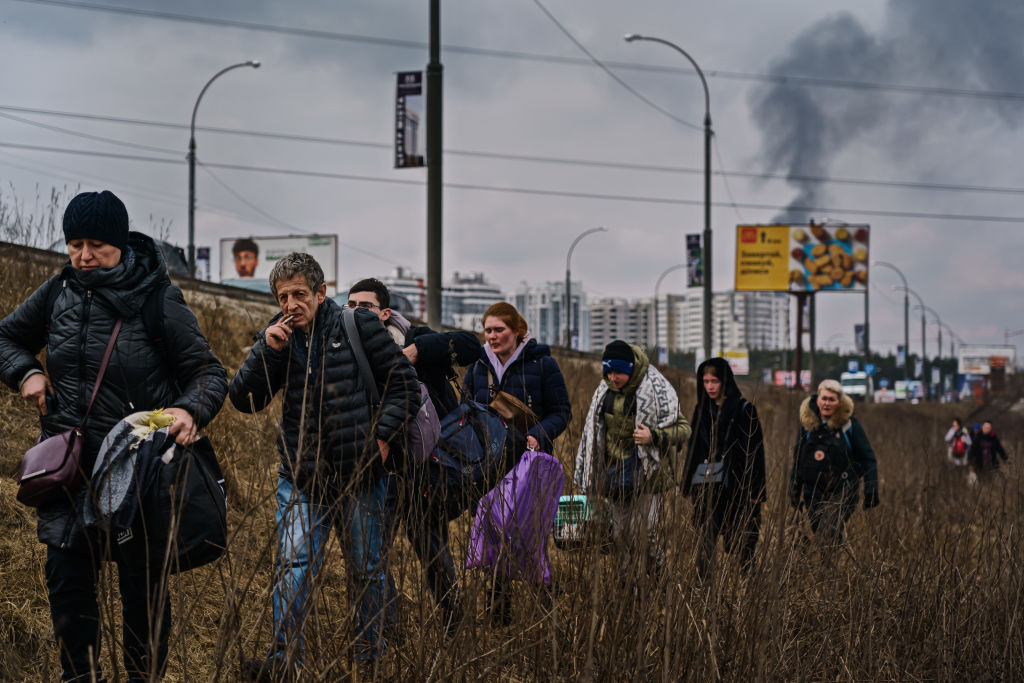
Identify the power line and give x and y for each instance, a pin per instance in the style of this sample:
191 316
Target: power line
610 73
534 191
797 80
88 136
567 161
237 195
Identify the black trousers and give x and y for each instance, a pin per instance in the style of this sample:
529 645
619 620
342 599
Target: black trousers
145 606
737 522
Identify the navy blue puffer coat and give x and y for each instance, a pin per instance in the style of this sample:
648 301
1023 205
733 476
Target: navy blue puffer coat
533 378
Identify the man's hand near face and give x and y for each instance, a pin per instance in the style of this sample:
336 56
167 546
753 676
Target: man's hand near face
278 336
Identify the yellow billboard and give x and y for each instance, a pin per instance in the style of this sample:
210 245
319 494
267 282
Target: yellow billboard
802 258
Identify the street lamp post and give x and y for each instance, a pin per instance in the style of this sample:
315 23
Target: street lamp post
630 37
938 324
192 164
657 286
568 284
920 301
906 317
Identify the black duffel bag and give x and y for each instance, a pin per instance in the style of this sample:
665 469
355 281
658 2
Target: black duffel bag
475 450
181 522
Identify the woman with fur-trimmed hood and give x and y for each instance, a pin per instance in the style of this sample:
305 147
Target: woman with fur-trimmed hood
725 472
831 456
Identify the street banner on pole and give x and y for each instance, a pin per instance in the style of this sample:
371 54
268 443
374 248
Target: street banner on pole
901 356
802 258
408 93
694 261
858 337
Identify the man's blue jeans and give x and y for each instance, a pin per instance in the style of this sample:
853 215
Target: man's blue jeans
303 526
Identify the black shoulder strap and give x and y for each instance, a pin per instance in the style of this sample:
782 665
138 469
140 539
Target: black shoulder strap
153 317
56 287
348 317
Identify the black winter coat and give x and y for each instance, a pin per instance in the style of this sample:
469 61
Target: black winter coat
333 443
75 335
533 378
437 354
735 429
985 452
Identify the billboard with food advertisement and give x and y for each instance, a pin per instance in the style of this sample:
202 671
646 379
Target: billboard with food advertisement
802 258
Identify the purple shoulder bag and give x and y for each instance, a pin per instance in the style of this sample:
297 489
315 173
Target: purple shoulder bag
52 466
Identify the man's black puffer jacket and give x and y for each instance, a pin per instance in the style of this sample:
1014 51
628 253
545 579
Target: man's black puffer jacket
138 377
331 441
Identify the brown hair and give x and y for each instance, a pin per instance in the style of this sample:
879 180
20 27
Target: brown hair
710 369
508 314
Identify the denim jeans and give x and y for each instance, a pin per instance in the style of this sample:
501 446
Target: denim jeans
71 579
361 520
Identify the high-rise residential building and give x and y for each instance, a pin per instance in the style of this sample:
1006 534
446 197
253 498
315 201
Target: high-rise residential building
543 307
410 285
464 299
616 318
741 320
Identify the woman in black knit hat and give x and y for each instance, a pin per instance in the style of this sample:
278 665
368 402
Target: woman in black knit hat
110 277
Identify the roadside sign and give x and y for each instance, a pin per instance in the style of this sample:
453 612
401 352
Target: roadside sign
802 258
869 368
852 366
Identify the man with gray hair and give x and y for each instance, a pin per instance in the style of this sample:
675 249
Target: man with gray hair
333 444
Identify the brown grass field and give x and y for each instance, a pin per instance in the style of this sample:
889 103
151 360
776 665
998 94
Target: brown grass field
928 587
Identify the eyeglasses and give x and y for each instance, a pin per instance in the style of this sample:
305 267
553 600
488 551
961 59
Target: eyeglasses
362 304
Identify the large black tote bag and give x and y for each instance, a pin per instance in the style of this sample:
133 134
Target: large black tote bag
182 519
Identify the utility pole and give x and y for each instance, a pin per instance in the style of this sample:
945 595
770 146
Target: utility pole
434 178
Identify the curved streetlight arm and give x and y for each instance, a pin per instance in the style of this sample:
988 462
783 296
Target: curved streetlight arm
568 283
252 62
886 264
671 269
630 37
576 241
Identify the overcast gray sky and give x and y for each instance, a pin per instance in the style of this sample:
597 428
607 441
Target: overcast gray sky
945 142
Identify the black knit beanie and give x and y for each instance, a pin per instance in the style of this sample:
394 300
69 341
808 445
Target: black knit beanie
97 216
618 356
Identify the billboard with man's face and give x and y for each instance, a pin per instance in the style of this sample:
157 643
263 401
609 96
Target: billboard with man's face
247 261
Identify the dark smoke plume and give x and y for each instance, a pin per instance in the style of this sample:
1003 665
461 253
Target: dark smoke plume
934 43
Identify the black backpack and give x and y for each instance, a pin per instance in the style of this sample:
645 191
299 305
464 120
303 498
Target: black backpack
823 460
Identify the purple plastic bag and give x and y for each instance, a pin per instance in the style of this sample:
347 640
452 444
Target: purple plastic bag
513 520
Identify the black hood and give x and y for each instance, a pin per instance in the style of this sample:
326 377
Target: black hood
702 412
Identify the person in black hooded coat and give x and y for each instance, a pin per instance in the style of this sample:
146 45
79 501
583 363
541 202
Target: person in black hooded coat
111 273
726 430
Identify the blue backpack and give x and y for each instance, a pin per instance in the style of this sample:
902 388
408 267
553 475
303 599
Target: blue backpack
476 448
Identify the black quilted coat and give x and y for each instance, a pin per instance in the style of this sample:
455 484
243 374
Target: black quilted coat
328 427
185 375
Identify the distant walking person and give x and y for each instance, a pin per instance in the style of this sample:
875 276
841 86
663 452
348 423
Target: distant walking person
958 442
111 277
629 451
986 450
831 456
725 471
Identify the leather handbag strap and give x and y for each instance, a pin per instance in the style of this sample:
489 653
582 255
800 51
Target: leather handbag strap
348 316
103 370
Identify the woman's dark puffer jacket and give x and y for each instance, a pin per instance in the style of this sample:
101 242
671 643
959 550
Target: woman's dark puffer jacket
533 378
186 375
337 444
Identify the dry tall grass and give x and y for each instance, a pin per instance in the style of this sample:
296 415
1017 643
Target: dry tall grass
929 586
